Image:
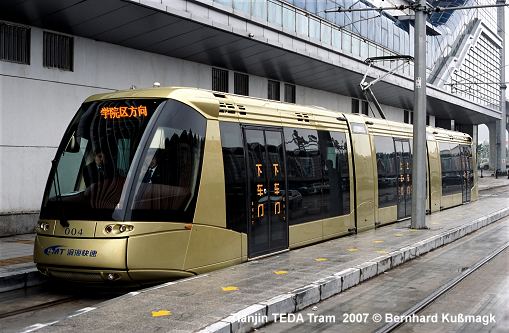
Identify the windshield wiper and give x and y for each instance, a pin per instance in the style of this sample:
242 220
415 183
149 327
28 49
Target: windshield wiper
63 220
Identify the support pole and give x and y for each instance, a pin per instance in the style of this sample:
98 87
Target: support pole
501 149
419 136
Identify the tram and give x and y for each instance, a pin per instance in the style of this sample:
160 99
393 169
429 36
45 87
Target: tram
162 183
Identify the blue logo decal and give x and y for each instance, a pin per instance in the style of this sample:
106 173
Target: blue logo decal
61 250
55 249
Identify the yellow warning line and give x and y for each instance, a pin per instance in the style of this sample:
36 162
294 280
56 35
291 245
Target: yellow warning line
161 313
230 288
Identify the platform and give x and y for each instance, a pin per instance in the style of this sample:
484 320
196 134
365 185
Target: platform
218 301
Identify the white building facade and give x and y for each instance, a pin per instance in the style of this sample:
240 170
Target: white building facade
51 59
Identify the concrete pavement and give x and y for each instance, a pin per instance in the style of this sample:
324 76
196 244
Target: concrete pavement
227 300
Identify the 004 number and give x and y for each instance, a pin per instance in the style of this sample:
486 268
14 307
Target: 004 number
73 231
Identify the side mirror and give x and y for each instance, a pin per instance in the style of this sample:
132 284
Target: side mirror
73 146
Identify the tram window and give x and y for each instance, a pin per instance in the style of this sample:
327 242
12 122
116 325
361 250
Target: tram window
95 156
336 183
387 171
452 174
166 187
304 175
234 176
466 152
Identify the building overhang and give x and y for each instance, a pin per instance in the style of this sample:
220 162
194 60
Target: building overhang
154 27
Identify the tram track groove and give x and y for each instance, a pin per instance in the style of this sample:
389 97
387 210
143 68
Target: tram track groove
442 290
38 307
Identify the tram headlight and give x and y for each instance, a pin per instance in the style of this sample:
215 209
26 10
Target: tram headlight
44 226
112 276
118 228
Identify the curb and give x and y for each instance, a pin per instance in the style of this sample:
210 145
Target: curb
262 313
492 187
22 278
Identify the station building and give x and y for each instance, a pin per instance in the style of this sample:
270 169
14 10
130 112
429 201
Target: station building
53 54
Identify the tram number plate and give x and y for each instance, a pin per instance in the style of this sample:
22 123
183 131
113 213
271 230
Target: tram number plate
73 231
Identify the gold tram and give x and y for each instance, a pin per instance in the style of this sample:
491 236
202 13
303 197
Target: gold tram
155 184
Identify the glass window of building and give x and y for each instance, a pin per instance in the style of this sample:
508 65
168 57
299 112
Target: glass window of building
259 9
356 46
14 43
275 12
274 90
58 51
384 31
298 3
365 108
314 29
302 24
288 19
219 80
364 16
364 50
311 6
346 41
336 38
408 117
241 84
289 93
242 6
326 33
390 35
355 105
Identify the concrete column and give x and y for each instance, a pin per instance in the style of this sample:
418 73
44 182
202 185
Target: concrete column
419 136
475 140
493 144
501 158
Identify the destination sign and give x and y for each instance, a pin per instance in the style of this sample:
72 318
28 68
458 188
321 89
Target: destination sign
123 112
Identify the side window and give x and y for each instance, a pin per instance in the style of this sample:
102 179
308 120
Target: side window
387 171
336 183
234 176
468 164
304 175
450 161
169 173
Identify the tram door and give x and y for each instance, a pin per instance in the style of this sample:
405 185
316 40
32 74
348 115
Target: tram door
404 162
268 223
468 173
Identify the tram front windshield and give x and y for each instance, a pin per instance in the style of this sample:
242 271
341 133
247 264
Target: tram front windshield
101 161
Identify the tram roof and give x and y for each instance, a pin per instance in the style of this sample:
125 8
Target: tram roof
231 107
